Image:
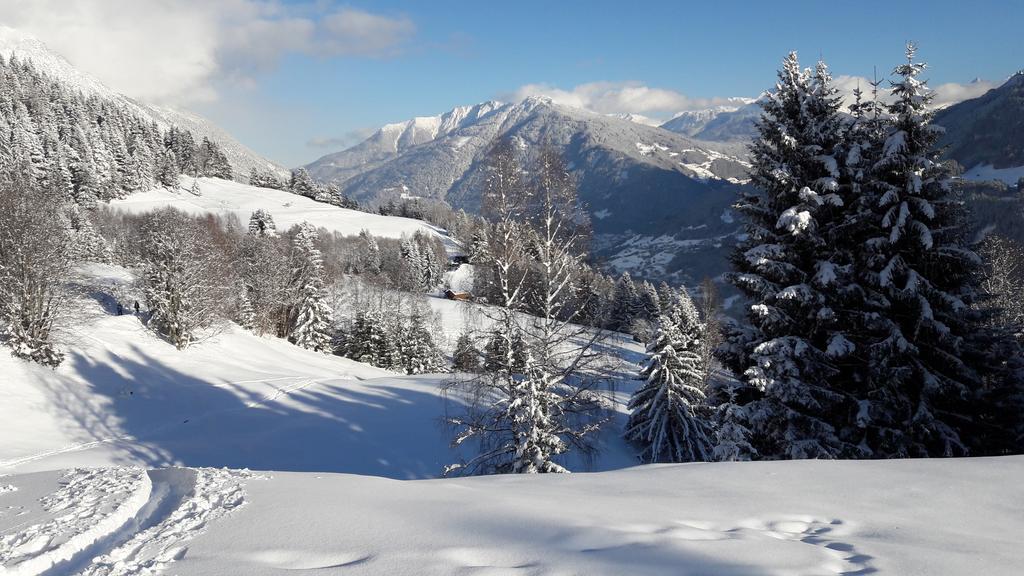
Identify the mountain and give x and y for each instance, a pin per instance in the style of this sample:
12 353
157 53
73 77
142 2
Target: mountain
987 131
23 46
392 140
720 124
692 122
623 169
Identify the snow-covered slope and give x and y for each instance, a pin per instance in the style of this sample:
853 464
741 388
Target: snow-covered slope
84 491
123 395
26 47
225 197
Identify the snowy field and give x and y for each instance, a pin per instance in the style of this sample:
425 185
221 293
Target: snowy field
226 197
134 458
926 517
1010 176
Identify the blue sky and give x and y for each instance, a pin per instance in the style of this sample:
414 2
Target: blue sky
284 75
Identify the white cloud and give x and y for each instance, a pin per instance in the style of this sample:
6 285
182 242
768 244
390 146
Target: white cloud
623 98
176 50
945 94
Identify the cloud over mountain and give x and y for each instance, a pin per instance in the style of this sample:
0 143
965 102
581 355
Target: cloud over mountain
176 51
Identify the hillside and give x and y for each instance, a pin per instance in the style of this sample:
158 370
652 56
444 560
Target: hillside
14 43
124 395
129 403
986 131
241 200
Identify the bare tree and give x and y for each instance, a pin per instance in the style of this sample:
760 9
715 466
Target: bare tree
710 308
187 281
526 409
1004 282
35 263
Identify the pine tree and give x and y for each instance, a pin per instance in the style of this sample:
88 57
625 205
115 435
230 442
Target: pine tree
931 354
669 419
301 183
795 270
261 223
417 348
369 257
531 411
313 325
372 340
626 304
466 357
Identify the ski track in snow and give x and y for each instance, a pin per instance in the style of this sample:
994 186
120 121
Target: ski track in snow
120 521
89 505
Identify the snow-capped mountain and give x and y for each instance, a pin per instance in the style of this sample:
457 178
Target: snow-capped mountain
692 122
392 140
719 124
623 168
18 44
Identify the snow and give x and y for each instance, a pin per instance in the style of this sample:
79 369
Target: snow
1010 176
347 454
774 518
124 396
225 197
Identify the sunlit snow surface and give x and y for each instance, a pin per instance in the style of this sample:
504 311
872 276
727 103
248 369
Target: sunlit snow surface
86 487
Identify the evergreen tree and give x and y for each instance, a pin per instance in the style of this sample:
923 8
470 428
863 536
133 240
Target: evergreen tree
371 340
313 325
794 267
301 183
466 357
418 351
261 223
931 355
532 413
669 419
626 304
369 257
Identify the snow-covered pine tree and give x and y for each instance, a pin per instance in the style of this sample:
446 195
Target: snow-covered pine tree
669 419
650 302
369 257
313 326
932 355
626 304
466 357
372 340
532 412
261 223
794 266
419 353
301 183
